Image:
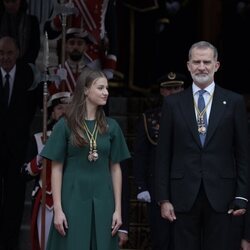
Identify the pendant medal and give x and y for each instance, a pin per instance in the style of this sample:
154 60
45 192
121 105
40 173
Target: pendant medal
93 155
202 130
90 157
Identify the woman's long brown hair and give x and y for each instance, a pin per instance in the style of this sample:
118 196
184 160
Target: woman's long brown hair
77 110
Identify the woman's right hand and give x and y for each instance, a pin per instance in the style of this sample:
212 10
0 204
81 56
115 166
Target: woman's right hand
60 222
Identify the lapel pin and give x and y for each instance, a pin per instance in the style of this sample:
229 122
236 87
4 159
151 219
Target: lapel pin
224 102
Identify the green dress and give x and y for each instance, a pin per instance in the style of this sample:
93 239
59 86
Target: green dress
87 191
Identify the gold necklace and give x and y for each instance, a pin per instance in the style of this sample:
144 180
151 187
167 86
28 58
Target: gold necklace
200 116
93 155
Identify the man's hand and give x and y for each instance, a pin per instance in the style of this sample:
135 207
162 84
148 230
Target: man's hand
238 212
237 207
167 211
123 238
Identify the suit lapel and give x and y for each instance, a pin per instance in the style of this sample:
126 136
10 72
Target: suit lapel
188 112
217 110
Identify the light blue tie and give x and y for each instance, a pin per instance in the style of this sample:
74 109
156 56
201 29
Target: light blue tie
201 106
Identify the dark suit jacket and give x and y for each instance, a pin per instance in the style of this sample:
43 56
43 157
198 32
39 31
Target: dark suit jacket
222 164
16 120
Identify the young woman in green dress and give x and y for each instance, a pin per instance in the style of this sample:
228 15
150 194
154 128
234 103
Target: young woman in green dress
86 149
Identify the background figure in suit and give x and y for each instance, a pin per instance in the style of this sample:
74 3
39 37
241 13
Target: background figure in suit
15 22
144 161
202 157
18 103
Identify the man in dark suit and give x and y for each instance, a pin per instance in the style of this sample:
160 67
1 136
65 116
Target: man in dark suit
17 109
202 157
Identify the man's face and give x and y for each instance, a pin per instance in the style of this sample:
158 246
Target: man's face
58 111
202 66
8 53
75 47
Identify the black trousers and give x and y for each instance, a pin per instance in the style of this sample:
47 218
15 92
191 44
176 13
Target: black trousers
201 228
12 196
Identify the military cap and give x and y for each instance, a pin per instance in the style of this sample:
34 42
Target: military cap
58 98
77 33
172 79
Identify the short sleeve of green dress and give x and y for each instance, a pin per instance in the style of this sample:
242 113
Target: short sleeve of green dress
87 190
119 150
56 146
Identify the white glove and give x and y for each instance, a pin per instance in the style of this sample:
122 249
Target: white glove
62 74
144 196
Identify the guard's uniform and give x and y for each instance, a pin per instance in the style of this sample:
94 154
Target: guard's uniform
33 169
73 71
98 18
144 160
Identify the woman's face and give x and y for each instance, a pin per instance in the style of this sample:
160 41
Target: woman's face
12 6
97 93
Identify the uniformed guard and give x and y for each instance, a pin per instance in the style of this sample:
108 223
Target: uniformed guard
77 41
99 19
32 169
144 158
